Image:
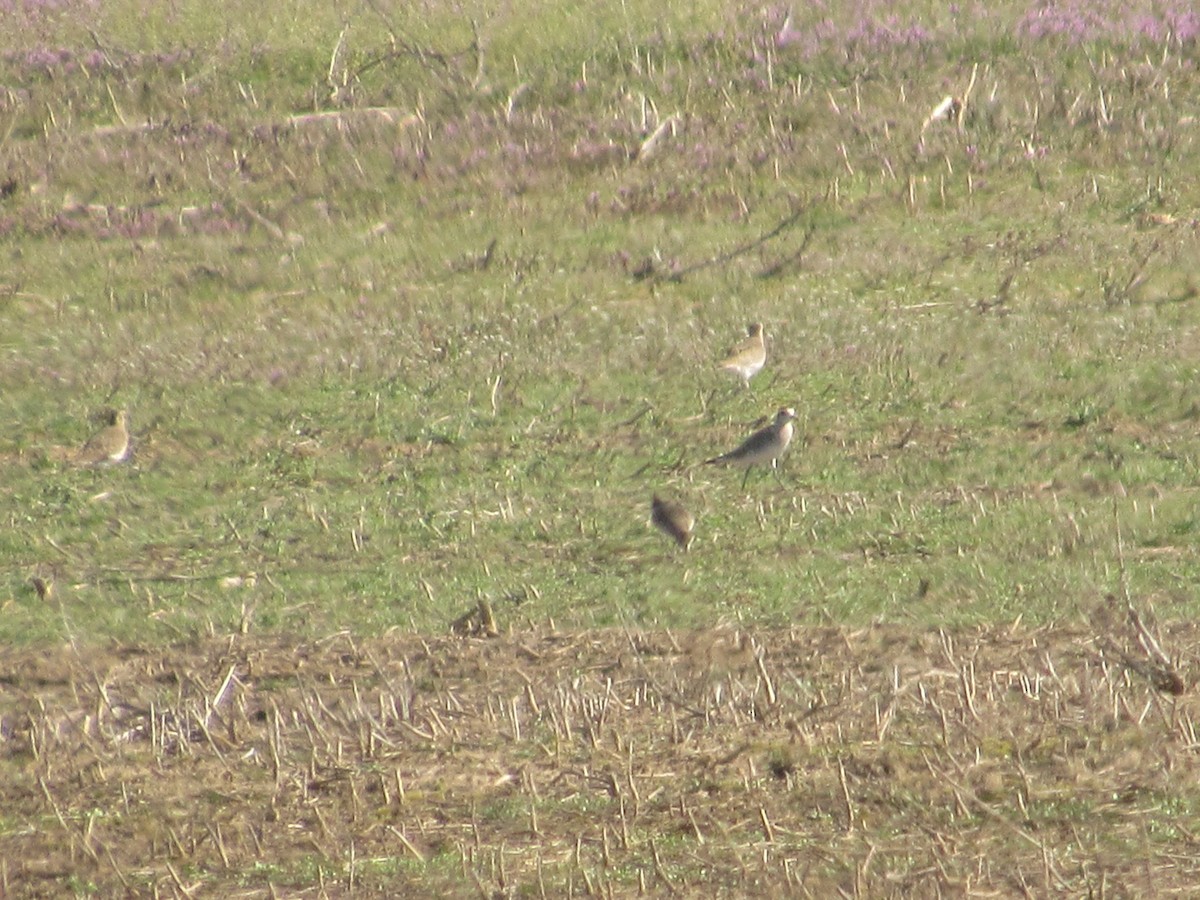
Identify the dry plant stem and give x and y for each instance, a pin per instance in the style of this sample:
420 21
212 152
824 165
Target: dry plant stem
651 143
846 796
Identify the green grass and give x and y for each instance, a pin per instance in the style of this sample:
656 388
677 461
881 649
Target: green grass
335 385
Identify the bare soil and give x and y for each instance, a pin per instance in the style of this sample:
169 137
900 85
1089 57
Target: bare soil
879 762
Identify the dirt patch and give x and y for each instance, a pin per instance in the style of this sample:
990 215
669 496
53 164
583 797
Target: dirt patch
879 762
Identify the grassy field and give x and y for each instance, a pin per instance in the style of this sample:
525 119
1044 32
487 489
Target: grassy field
414 306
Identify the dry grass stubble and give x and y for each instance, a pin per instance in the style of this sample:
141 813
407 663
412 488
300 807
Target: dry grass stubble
884 761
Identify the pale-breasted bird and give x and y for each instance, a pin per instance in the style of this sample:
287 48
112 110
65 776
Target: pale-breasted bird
108 445
748 357
764 446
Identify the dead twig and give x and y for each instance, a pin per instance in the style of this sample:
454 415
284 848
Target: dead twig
1157 668
403 47
951 108
793 260
1119 291
650 144
720 259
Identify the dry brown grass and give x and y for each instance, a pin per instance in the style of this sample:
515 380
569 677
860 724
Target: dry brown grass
885 761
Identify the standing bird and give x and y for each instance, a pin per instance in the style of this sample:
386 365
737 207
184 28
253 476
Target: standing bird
109 445
747 358
673 520
764 446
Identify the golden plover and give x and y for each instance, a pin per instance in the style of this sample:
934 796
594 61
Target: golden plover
108 445
747 358
764 446
672 520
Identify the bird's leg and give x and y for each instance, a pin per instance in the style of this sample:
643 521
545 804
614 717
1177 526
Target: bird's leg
775 472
